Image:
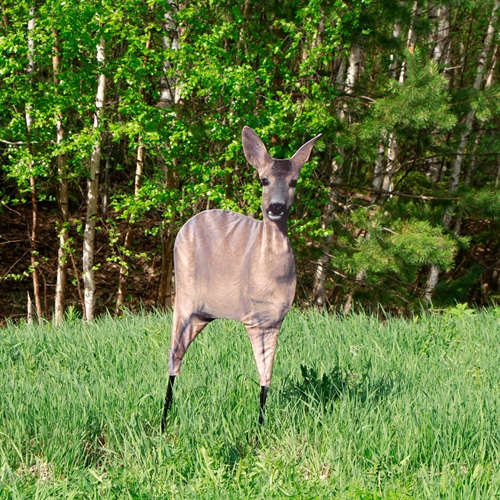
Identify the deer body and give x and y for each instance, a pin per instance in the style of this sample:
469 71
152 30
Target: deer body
231 266
219 274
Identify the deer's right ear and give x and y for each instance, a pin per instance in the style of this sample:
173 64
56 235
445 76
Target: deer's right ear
254 149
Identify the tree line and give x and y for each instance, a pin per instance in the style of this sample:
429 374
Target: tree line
125 117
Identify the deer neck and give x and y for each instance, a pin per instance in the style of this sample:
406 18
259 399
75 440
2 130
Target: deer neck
276 231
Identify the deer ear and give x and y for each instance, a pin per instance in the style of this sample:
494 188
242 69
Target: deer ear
303 153
254 149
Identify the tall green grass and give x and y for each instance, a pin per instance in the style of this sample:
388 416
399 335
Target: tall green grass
359 408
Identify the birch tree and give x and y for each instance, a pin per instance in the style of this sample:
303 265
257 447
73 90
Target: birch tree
170 96
32 180
441 54
139 166
63 198
92 190
392 143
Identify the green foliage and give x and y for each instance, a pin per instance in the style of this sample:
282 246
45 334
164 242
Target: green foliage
402 248
420 103
481 204
279 67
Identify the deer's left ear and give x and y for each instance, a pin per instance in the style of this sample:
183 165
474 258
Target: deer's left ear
303 153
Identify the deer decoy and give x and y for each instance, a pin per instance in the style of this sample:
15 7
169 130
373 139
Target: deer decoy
228 265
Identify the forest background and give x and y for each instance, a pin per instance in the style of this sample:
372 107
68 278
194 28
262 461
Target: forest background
120 120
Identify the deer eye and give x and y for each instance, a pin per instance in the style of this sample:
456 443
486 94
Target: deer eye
264 182
293 183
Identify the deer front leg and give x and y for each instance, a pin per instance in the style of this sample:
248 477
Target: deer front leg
168 402
264 340
263 397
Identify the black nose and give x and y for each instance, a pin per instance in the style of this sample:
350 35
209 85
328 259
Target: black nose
276 209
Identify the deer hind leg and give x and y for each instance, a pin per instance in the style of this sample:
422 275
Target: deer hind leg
184 331
264 340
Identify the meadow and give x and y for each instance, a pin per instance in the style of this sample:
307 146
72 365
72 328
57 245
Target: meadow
360 408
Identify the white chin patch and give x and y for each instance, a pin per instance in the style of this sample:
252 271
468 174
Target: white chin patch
275 217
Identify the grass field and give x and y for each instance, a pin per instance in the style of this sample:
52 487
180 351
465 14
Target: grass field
359 409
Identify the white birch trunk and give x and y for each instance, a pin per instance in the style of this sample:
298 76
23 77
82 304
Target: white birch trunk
396 33
441 52
29 315
432 281
169 89
392 146
340 77
354 68
378 172
62 256
171 95
92 193
441 55
410 43
320 274
30 70
390 170
139 166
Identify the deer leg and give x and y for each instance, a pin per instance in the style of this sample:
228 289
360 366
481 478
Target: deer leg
263 397
168 401
184 331
264 346
263 339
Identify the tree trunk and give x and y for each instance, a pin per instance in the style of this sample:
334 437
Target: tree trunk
410 42
34 197
390 170
92 194
171 93
29 313
378 172
464 141
169 88
396 33
319 286
167 266
62 257
166 294
392 145
139 165
34 252
105 196
441 52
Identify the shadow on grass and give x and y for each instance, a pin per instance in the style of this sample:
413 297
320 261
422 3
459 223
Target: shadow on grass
323 390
